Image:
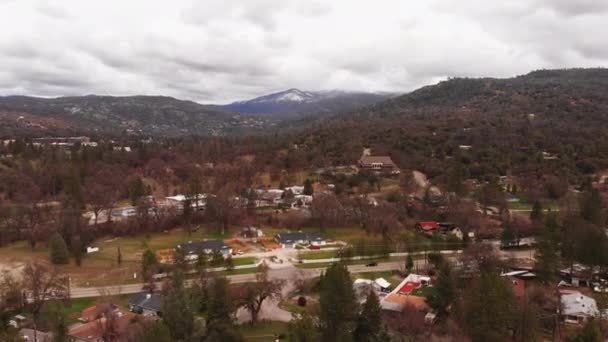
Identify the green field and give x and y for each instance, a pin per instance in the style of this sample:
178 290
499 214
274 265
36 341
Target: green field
244 261
264 331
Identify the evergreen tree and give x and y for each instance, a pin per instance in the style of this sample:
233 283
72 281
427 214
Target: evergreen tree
508 236
547 252
489 309
148 263
537 212
118 256
137 189
308 188
369 321
220 307
156 331
445 292
590 333
409 263
59 250
592 208
338 304
229 263
177 312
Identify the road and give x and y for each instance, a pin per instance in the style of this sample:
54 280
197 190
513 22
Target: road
287 272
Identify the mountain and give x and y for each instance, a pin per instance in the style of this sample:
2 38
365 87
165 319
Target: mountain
146 115
295 102
507 122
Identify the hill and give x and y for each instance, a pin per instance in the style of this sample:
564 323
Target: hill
297 103
147 115
507 124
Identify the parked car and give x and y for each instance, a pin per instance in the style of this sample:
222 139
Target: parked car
312 247
372 264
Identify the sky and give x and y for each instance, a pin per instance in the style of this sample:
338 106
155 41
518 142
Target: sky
218 51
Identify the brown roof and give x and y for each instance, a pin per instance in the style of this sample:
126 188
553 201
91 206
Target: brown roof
416 301
376 159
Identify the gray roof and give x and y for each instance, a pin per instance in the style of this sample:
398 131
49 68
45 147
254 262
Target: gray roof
146 301
199 246
577 304
298 236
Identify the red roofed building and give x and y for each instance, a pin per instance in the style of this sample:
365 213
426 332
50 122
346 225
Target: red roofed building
427 227
376 163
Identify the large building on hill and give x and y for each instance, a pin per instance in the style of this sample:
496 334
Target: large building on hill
376 163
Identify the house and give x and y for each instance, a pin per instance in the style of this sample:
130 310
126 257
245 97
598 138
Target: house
383 285
270 198
300 201
193 249
147 304
401 296
95 312
576 307
376 163
115 320
452 229
196 201
428 227
251 232
296 189
290 240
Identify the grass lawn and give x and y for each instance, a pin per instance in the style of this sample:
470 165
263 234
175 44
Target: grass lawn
424 291
316 255
263 331
244 261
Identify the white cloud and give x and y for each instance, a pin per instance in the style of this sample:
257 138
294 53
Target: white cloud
222 50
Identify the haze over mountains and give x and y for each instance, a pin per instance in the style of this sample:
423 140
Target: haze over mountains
567 94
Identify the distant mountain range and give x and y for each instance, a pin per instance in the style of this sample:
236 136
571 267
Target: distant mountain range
144 115
295 102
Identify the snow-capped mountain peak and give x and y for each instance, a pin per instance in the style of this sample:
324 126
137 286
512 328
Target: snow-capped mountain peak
291 95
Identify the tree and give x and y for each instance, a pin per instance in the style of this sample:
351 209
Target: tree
592 207
145 330
254 294
177 311
302 329
217 259
149 265
445 292
488 317
229 263
409 263
137 189
58 250
547 252
338 304
41 283
308 188
325 209
528 328
590 333
369 321
537 212
220 306
118 256
77 250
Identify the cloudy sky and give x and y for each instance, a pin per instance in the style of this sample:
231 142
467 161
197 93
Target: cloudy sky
223 50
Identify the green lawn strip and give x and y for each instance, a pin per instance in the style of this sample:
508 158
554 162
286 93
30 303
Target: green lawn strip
263 331
319 255
424 291
244 261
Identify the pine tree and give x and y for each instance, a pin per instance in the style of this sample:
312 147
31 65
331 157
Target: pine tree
229 263
148 263
59 250
177 312
369 321
590 333
220 306
77 251
445 293
409 263
118 256
338 304
592 207
308 188
537 212
547 252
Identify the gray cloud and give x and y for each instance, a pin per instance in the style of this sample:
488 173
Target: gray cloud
222 50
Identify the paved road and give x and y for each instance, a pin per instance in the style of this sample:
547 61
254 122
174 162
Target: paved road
285 271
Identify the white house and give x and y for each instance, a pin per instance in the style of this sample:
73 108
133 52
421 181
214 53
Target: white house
577 308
